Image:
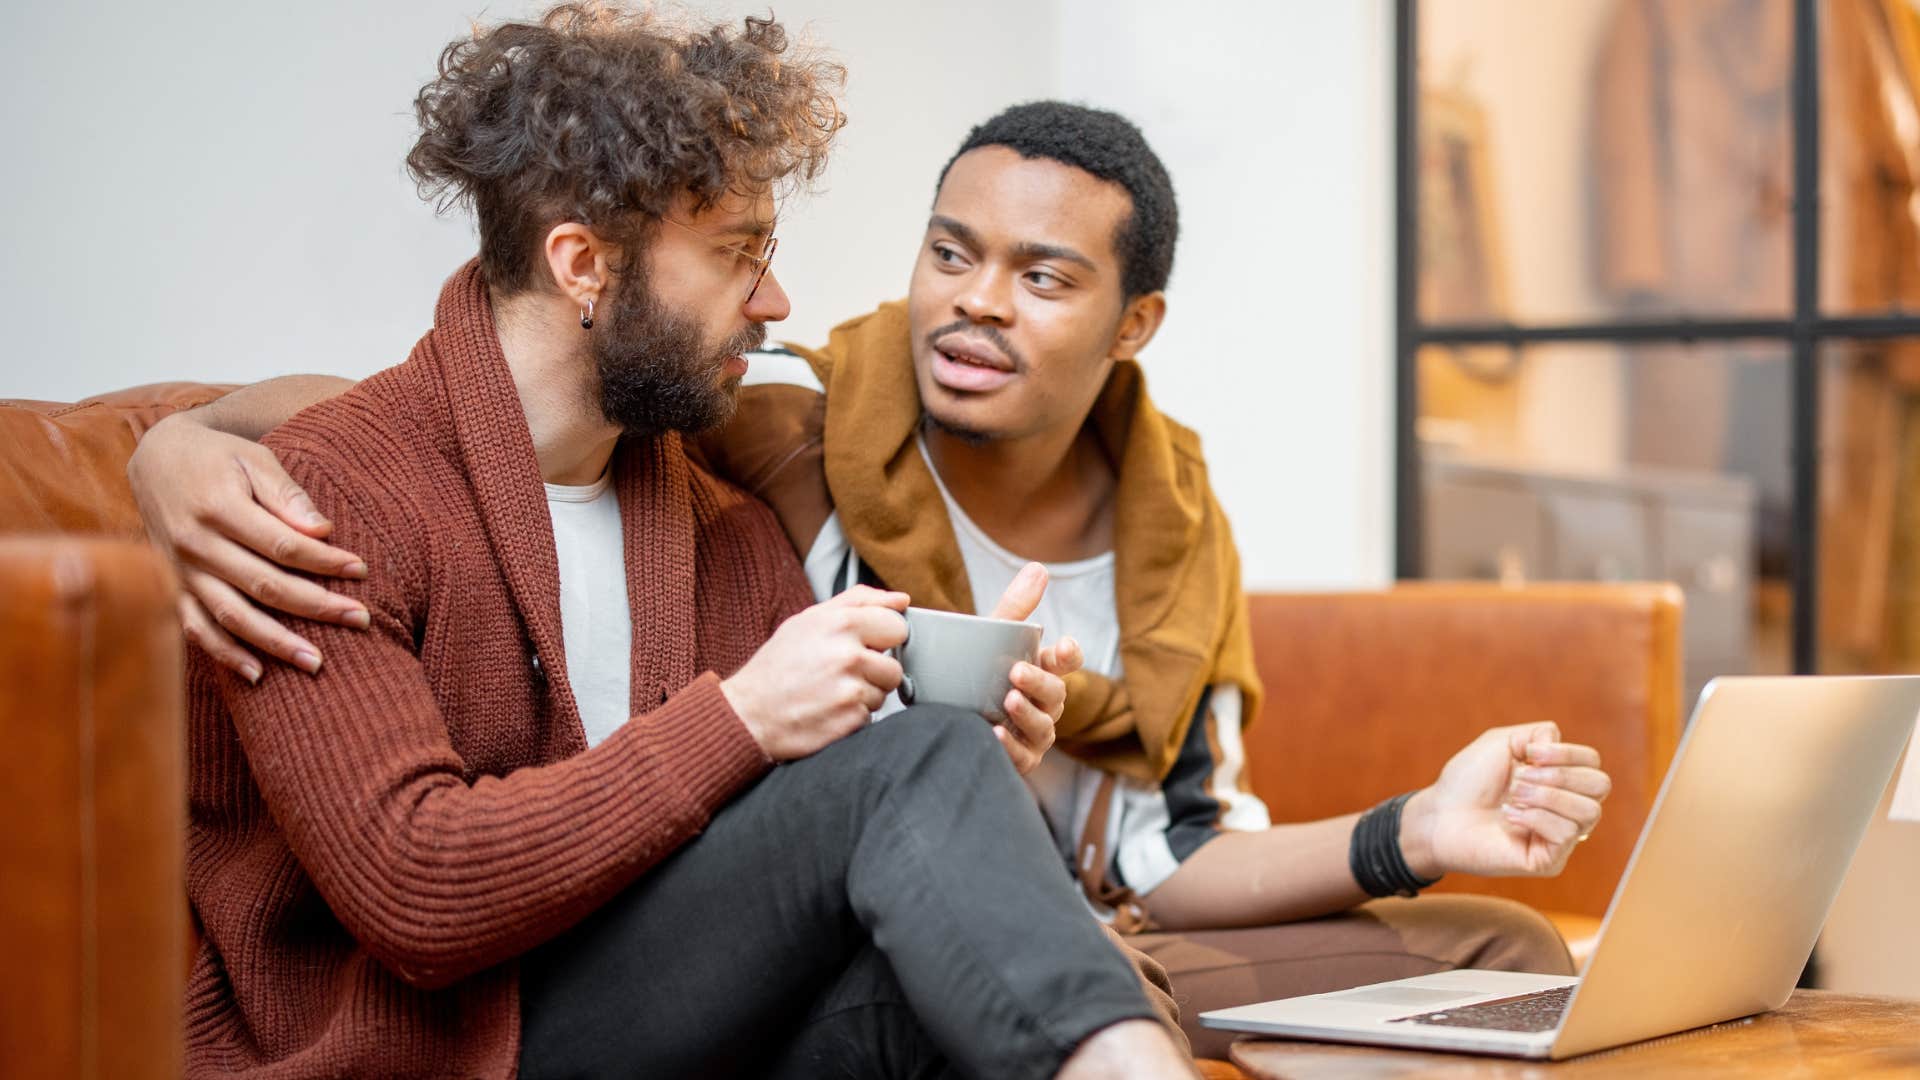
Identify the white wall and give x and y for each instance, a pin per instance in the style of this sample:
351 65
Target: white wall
1275 120
216 193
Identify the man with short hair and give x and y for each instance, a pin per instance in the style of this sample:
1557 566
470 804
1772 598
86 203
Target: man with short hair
999 416
526 820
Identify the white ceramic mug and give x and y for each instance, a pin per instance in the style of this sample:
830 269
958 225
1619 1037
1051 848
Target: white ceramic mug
963 660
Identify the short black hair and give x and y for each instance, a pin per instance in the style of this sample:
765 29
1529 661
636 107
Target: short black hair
1110 147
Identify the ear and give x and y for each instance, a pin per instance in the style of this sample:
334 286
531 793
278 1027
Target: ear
578 261
1138 323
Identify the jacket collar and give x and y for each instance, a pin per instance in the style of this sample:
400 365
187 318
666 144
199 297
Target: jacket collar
496 448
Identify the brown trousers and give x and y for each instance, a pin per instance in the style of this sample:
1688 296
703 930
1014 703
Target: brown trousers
1376 942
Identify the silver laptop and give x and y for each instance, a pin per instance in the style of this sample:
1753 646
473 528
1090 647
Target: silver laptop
1773 785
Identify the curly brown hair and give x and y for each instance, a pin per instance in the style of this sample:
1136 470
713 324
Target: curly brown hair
601 114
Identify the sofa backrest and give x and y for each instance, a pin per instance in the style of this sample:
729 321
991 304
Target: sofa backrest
63 467
1369 694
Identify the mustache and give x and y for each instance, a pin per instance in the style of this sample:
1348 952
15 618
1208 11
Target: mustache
746 341
990 332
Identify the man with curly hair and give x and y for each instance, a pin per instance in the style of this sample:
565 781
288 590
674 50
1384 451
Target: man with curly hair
526 819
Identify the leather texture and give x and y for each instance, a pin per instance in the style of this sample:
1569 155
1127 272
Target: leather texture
93 915
1369 694
63 467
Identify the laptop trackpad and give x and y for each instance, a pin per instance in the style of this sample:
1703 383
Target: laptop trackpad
1405 995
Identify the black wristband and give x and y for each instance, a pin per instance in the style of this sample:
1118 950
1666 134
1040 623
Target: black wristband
1374 854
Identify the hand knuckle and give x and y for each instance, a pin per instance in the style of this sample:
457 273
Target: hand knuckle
284 549
265 590
205 505
185 542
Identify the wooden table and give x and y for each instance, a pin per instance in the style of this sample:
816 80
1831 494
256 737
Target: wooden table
1817 1034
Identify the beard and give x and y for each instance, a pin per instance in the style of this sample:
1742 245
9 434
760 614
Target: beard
970 436
657 373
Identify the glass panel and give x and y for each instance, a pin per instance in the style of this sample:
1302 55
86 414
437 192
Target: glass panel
1601 462
1870 507
1593 159
1870 157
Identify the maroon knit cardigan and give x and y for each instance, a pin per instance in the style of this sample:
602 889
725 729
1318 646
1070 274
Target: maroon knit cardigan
373 846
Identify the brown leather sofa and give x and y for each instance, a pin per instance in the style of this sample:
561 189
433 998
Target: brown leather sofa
1368 694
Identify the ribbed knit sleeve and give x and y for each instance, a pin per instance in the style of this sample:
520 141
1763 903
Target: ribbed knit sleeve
438 877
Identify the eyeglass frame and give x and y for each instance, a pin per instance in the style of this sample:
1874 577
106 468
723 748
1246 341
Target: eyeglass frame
761 263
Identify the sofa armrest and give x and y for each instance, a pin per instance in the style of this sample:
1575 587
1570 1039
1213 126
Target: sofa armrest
1369 694
93 911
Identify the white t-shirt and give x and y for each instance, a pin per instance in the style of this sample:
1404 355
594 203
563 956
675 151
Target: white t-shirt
595 620
1143 836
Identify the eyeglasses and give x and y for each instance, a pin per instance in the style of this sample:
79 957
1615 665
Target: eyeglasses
759 262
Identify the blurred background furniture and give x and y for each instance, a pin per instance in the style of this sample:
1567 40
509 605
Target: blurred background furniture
1517 523
1369 693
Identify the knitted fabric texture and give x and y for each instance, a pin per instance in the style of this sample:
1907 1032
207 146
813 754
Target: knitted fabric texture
370 848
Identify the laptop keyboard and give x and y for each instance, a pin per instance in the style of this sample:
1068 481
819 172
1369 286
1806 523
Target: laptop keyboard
1539 1011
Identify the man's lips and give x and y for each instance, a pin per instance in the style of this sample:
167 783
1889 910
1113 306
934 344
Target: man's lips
969 365
735 366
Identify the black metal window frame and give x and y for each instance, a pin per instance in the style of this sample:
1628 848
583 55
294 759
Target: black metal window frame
1805 330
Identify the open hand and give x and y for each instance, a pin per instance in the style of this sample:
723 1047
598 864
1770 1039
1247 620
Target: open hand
232 520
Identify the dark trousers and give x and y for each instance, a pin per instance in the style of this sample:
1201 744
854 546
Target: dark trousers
890 906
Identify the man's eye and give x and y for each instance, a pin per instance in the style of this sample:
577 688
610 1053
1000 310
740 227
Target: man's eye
946 255
1044 279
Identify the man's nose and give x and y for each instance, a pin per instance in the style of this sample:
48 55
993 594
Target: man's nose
986 297
769 302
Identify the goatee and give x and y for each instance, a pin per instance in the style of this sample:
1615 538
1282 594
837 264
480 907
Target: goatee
657 373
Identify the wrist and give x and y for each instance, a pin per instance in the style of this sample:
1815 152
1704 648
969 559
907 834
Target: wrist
740 701
1376 855
194 417
1417 821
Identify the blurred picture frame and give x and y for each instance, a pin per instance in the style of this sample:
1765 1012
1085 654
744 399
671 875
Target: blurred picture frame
1469 397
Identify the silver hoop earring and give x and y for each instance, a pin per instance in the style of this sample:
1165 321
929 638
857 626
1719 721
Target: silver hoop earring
586 316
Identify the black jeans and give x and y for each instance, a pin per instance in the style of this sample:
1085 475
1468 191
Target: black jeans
890 906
